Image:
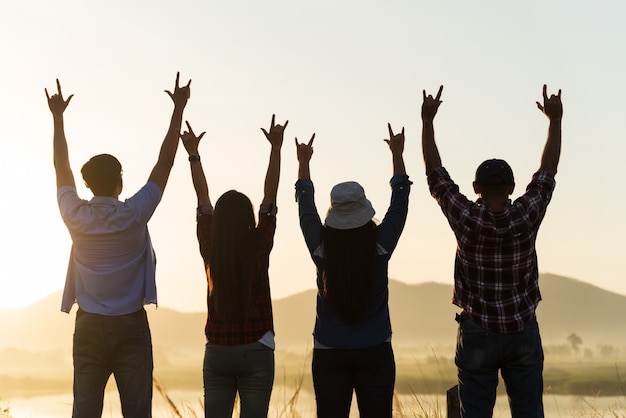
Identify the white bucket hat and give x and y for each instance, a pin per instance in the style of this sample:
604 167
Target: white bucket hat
349 208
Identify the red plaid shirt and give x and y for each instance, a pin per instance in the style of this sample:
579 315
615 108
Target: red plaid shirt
259 319
496 279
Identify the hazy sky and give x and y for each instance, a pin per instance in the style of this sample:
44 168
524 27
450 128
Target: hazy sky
342 69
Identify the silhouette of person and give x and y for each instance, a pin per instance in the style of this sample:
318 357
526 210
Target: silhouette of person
352 334
111 271
495 274
239 351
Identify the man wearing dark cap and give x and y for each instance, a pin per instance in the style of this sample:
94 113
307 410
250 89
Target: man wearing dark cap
111 271
495 274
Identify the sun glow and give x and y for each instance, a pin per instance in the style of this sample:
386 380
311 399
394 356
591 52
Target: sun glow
342 75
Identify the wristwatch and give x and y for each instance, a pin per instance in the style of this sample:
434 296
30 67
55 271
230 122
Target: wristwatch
193 158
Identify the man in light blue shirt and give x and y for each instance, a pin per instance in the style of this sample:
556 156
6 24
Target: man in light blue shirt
111 271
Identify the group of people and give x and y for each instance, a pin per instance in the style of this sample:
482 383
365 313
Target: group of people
111 276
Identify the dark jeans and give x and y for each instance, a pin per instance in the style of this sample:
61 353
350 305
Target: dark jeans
247 369
519 357
370 372
118 345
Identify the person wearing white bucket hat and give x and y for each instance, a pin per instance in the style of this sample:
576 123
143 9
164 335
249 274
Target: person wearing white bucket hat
352 334
349 208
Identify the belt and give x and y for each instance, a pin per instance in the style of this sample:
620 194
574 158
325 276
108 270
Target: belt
460 317
137 314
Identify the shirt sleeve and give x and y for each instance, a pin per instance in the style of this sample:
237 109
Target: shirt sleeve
391 227
534 202
145 201
69 202
310 222
454 205
266 228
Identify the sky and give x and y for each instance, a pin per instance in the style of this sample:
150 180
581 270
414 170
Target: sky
342 69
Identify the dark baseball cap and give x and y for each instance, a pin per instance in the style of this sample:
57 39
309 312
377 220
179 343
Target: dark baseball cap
493 172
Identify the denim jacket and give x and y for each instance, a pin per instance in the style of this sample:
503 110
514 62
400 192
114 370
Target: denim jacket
375 328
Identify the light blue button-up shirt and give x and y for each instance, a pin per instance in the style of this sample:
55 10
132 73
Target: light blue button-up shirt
112 264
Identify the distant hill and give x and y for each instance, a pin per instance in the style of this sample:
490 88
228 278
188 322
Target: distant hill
568 305
422 315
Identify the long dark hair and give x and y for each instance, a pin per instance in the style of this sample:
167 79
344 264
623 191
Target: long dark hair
348 275
232 260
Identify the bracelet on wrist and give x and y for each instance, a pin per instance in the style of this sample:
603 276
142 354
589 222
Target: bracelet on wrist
193 158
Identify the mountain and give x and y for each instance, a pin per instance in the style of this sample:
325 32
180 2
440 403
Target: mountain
572 306
422 315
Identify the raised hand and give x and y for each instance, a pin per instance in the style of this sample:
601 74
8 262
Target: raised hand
275 134
161 171
304 152
181 94
395 142
190 140
552 107
430 105
56 103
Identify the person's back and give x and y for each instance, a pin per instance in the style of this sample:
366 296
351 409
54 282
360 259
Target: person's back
496 273
496 279
352 308
352 349
239 331
106 227
111 272
112 260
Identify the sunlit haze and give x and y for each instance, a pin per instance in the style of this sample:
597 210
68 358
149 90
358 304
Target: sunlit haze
341 69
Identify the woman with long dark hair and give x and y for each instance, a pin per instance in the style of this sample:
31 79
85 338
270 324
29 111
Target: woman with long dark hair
239 353
352 335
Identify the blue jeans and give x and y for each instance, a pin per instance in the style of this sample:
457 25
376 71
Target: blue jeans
519 357
247 369
370 372
118 345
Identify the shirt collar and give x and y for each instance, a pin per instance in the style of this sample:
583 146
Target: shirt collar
104 200
481 202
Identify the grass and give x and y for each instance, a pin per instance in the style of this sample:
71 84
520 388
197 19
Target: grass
286 398
422 380
421 387
586 379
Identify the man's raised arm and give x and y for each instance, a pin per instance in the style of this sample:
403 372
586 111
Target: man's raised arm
553 108
161 171
432 160
57 106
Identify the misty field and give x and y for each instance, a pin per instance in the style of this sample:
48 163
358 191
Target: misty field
575 387
585 355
